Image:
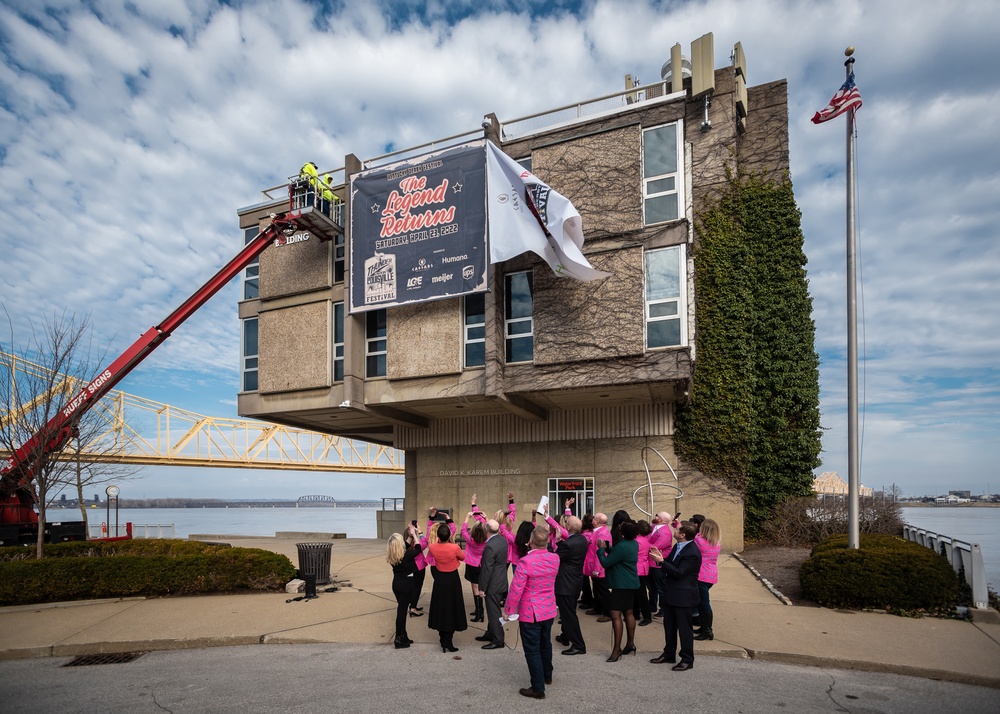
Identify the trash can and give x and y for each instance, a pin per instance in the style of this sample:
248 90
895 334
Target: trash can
314 559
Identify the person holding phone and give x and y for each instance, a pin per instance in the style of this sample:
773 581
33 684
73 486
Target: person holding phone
401 553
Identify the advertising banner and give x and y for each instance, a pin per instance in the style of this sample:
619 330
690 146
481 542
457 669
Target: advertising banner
418 229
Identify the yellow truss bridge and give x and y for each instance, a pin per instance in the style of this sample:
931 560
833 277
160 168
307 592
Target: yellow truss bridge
135 430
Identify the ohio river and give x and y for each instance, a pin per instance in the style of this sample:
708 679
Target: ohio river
355 522
973 525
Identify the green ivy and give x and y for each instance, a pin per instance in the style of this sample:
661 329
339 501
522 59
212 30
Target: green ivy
753 416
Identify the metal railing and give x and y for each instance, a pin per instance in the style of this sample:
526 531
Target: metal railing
513 129
572 113
965 558
109 530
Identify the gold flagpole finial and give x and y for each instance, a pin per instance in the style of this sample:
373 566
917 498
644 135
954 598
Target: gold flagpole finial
849 51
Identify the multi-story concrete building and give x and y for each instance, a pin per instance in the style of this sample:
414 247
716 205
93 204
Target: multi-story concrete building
541 385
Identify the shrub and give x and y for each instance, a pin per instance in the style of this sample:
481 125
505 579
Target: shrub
76 571
809 520
886 573
101 549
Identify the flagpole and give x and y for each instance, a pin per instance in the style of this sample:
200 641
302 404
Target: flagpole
853 462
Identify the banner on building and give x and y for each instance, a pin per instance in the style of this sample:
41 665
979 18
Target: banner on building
418 229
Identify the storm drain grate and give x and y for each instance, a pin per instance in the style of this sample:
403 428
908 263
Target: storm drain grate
108 658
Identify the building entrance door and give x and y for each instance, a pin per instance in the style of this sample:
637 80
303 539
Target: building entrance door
580 488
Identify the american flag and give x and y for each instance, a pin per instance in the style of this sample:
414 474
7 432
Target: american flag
847 98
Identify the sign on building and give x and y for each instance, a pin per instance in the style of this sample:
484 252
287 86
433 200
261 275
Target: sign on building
418 229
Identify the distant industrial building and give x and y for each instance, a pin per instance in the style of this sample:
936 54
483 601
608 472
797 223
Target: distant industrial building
829 483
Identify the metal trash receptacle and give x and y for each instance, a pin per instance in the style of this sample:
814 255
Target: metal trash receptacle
314 558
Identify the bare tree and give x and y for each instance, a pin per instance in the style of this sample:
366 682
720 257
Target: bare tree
37 383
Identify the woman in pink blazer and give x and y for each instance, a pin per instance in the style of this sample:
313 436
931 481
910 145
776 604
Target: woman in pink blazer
475 541
709 542
642 607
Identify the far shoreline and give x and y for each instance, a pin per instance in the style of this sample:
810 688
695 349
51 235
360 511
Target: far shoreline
921 504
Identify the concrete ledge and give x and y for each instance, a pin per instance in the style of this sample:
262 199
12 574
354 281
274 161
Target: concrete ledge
989 616
310 536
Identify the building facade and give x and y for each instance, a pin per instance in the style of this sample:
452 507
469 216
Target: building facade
541 385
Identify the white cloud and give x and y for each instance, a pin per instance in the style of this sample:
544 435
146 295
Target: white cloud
131 132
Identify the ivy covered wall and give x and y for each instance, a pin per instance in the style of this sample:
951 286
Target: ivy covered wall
753 415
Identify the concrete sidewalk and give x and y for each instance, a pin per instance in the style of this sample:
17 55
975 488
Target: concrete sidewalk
749 622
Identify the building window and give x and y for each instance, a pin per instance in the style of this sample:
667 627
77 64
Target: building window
338 342
525 162
251 274
518 328
665 297
580 488
338 258
250 354
475 330
375 343
662 179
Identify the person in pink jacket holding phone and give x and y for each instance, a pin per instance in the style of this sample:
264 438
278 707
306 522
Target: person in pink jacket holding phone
593 568
532 597
709 542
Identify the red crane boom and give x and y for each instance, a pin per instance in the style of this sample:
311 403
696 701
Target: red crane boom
17 496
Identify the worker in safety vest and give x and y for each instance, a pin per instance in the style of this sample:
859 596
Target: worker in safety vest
309 182
329 197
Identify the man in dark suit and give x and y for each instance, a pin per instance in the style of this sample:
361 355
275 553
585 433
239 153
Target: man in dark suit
569 580
680 572
493 584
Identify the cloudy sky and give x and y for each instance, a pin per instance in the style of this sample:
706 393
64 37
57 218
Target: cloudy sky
132 131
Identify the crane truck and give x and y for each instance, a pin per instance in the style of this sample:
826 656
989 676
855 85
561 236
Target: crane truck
18 519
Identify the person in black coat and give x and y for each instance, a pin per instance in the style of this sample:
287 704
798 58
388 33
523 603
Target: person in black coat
401 553
680 570
569 580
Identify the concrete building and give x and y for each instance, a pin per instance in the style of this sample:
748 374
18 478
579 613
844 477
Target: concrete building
541 385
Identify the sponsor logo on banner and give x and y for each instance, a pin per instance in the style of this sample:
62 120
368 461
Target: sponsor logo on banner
468 272
443 278
454 258
380 278
422 265
414 283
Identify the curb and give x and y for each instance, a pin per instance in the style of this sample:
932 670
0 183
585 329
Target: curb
767 583
866 666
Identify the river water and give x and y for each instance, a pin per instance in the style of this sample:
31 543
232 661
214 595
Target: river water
973 525
355 522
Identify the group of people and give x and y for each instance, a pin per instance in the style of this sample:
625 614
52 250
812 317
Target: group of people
315 191
628 571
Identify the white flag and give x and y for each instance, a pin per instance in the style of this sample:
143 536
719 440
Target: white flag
525 214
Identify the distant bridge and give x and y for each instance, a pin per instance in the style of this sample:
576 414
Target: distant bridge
144 432
317 499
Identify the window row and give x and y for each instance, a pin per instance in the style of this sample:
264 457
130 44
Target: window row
665 308
251 274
